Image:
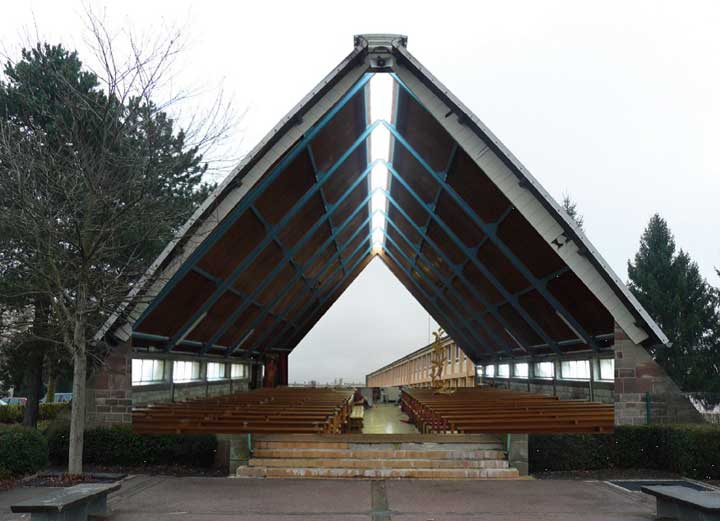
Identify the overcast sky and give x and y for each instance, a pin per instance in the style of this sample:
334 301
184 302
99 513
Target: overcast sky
615 103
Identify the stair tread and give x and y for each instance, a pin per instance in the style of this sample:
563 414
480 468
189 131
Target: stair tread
334 473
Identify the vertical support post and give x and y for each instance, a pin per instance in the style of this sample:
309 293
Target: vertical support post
591 383
255 375
283 369
172 380
556 366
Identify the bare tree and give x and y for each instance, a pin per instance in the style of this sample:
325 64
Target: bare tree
90 194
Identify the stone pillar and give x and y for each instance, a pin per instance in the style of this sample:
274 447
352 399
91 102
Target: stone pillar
109 389
517 450
644 393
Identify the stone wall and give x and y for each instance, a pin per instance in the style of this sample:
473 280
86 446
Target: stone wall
644 393
564 389
111 395
184 391
109 390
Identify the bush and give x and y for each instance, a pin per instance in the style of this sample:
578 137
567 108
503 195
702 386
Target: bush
48 412
22 450
690 450
120 446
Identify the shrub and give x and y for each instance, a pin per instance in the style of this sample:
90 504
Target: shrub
690 450
48 412
120 446
22 450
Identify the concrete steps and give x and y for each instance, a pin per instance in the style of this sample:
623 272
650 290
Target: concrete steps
340 457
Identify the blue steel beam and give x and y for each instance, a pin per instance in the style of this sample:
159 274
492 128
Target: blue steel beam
323 300
270 237
217 280
318 176
475 341
446 282
327 264
469 254
250 199
457 272
279 267
457 335
268 229
310 262
292 306
434 204
499 243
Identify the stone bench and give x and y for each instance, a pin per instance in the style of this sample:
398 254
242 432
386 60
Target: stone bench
685 504
69 504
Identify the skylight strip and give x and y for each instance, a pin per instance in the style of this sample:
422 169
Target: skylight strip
381 93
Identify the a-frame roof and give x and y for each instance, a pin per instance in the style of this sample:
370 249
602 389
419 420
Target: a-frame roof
467 230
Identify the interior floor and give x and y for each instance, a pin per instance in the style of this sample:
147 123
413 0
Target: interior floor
386 418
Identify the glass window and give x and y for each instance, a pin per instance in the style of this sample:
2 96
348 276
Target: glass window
215 371
490 371
238 371
185 371
147 371
521 370
575 369
457 354
503 370
479 370
544 370
607 369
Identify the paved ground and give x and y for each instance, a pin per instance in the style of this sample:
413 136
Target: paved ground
386 418
162 498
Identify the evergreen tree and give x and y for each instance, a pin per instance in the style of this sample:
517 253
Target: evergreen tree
670 287
570 208
94 180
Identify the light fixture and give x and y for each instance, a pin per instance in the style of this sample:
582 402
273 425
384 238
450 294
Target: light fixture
381 93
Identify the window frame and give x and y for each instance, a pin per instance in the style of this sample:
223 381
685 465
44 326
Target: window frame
193 364
586 362
544 377
143 361
515 372
223 365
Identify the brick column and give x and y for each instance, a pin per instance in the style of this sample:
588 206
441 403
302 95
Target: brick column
644 393
109 390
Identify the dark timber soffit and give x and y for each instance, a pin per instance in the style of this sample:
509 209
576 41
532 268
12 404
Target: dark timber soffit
465 228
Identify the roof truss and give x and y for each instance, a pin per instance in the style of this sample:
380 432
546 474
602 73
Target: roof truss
469 233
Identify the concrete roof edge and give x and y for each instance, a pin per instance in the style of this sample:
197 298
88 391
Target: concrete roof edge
627 298
119 320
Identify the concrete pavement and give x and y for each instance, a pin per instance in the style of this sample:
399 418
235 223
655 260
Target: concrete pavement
164 498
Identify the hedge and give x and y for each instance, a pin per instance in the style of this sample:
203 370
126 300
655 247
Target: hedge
48 412
690 450
118 445
22 450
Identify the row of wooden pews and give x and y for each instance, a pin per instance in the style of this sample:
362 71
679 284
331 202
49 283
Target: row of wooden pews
492 410
268 410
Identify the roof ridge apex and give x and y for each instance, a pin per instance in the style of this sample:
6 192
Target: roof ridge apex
379 41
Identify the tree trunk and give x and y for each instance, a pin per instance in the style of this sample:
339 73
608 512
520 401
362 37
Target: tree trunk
50 393
77 413
33 385
33 372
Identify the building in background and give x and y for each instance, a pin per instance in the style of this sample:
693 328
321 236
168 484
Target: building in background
414 369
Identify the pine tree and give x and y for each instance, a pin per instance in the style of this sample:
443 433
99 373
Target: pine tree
670 287
95 178
570 208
